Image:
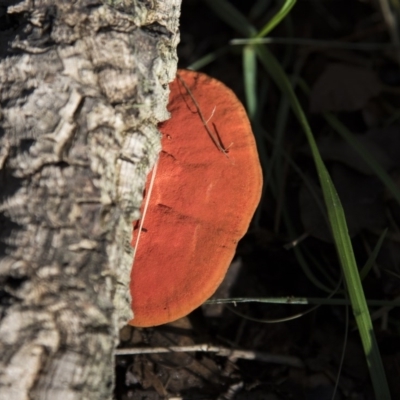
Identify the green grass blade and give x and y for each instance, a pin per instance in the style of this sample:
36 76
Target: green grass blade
277 18
339 232
249 59
250 80
239 22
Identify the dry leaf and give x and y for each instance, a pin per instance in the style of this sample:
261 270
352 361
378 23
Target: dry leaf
343 87
361 197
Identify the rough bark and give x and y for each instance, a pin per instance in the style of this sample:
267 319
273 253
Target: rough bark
83 86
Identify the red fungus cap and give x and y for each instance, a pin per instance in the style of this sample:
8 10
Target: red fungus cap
206 189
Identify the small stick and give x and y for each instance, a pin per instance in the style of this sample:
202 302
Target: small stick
220 351
146 204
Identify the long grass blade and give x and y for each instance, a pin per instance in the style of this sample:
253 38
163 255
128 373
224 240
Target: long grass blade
250 80
277 18
339 231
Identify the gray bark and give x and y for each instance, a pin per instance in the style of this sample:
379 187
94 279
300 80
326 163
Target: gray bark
83 85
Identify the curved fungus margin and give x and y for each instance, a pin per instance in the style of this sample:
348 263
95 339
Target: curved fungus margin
205 192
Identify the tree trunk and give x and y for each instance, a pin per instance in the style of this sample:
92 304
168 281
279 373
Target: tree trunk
83 86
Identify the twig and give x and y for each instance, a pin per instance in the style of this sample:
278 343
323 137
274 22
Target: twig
220 351
302 301
232 391
317 43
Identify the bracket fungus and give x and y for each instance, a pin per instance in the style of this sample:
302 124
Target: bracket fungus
205 191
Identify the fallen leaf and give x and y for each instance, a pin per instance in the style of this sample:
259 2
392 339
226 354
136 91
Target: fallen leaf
343 87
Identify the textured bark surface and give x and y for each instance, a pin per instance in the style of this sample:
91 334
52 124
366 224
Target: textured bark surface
82 87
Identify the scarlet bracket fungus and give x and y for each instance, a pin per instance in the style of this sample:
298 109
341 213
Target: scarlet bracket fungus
206 189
